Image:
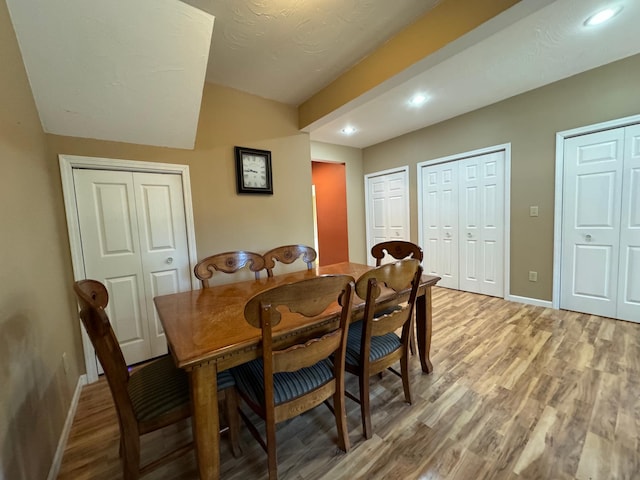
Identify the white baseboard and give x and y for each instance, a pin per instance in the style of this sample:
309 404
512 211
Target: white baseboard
530 301
64 436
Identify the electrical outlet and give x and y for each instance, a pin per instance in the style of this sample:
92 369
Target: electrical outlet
533 276
65 363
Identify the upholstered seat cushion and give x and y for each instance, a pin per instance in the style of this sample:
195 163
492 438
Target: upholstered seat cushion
225 380
160 387
380 346
249 379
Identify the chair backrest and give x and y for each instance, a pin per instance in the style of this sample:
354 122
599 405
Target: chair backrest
398 249
289 254
395 277
307 298
93 299
228 262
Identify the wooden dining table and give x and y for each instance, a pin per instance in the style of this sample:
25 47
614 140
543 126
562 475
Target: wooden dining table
207 333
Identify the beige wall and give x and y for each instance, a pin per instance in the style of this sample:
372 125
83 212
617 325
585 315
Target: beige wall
37 321
224 220
352 158
530 122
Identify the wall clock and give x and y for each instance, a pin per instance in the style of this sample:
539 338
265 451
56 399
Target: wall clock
253 171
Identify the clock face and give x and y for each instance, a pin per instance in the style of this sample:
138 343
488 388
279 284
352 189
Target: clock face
254 171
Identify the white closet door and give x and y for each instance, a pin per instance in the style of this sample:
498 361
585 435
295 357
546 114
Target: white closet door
134 240
111 249
592 184
163 244
388 209
482 224
628 304
440 225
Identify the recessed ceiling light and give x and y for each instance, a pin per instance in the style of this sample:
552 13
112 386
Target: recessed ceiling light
602 16
417 100
348 130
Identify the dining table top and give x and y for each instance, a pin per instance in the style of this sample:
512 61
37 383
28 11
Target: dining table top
208 324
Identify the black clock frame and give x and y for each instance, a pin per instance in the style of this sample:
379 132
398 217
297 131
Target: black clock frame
240 152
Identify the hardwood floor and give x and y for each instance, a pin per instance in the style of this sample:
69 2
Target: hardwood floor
518 392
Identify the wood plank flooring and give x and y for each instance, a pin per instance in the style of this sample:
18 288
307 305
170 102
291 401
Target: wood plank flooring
518 392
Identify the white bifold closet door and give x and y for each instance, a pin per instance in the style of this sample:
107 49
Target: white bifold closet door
134 241
463 223
387 206
600 269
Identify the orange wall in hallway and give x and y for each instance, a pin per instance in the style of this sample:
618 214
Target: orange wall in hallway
331 205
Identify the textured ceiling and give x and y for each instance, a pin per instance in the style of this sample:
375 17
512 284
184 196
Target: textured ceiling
287 50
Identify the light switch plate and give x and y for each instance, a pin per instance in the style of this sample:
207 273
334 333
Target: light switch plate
533 211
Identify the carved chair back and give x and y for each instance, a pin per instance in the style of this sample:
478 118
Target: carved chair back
288 254
228 262
398 249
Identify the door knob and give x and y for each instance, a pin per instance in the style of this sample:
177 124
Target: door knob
469 235
170 260
448 234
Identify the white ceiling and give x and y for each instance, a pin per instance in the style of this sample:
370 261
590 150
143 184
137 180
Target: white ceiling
547 45
130 71
133 70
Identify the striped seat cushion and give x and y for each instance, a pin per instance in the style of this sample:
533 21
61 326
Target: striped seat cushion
158 388
249 379
161 387
225 380
380 346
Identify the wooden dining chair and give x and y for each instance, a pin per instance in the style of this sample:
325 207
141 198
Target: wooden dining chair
372 344
289 380
228 262
398 249
289 254
151 397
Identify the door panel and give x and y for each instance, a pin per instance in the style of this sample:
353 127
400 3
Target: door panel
482 223
491 261
591 222
163 241
440 222
388 217
628 303
129 323
110 243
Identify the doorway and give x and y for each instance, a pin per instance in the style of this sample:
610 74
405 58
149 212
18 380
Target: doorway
136 291
330 205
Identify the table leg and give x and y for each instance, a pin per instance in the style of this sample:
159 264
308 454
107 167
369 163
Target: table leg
206 423
423 326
